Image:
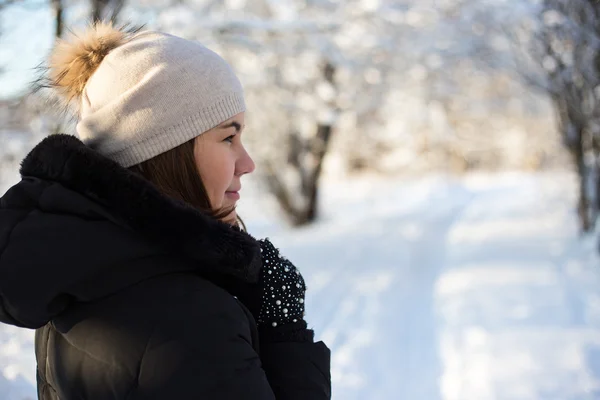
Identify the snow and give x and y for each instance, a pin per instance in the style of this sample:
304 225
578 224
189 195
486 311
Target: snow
14 145
433 288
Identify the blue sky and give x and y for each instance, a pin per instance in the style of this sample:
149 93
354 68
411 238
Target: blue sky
27 36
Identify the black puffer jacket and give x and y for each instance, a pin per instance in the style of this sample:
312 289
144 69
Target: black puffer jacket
132 292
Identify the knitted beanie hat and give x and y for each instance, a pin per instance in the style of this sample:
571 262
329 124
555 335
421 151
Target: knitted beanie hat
140 94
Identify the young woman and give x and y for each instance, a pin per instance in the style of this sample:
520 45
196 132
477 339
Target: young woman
122 248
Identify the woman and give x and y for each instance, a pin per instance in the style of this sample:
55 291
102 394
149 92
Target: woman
123 248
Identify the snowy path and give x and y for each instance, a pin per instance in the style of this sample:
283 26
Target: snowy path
519 299
371 282
475 289
469 290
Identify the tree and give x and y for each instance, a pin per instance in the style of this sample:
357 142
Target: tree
562 58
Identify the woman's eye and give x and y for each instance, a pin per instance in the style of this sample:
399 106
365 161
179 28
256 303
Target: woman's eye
229 138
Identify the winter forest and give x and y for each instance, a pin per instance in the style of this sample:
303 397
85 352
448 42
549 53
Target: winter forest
432 167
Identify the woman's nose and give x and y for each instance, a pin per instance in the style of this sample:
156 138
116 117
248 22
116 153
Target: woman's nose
245 164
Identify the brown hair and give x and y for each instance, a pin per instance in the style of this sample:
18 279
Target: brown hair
176 175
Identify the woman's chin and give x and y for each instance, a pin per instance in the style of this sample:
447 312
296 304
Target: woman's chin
231 218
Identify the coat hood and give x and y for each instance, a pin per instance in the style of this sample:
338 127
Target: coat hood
79 226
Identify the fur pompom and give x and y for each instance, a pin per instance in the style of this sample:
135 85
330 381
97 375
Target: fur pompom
74 60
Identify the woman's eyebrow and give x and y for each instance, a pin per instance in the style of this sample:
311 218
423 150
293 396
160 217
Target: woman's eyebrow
232 124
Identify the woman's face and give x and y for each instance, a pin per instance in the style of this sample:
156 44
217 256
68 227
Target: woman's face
222 160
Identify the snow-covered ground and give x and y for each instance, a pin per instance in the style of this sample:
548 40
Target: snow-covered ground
433 289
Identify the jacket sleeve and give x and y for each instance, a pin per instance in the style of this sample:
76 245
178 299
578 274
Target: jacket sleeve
297 370
204 352
296 367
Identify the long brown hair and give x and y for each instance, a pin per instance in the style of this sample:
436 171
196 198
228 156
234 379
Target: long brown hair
176 175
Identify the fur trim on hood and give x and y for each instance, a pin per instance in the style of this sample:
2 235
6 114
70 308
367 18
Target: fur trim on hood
65 159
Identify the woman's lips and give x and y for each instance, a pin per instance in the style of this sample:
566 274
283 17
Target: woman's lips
233 195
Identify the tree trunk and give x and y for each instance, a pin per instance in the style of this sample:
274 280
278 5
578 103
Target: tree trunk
583 207
309 172
322 142
59 10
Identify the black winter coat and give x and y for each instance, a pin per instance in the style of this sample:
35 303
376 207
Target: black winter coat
130 291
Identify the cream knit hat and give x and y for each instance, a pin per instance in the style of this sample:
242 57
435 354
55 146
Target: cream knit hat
142 94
